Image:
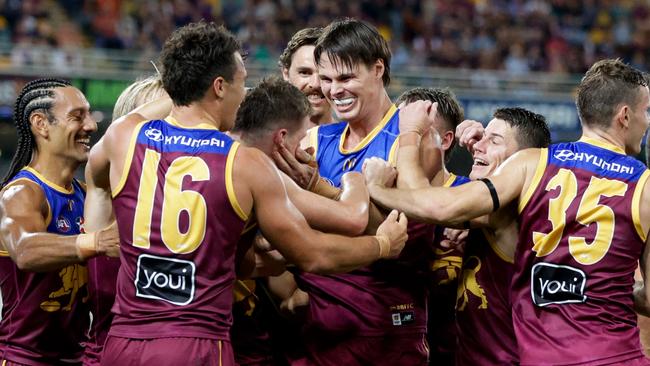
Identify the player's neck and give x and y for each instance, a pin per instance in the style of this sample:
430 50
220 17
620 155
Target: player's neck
605 136
195 114
321 119
55 169
362 127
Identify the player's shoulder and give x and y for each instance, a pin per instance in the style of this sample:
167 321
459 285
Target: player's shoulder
22 192
123 127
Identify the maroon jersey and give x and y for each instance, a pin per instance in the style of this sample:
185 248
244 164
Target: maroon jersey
580 240
179 223
445 265
102 275
44 318
483 306
388 297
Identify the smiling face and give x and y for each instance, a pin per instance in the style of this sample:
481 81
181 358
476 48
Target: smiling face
303 74
497 144
353 92
69 133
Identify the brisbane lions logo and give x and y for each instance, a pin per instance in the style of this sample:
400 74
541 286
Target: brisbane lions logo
468 285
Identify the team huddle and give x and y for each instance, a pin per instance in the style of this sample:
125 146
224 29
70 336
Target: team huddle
224 226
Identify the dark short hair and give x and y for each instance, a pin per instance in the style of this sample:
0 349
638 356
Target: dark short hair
448 106
271 104
531 128
303 37
195 55
351 42
606 85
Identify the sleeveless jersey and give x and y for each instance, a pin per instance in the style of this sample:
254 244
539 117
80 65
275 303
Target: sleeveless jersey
380 299
483 306
444 266
179 223
44 318
102 275
580 242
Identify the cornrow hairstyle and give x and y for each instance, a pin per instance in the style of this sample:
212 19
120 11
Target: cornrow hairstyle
37 95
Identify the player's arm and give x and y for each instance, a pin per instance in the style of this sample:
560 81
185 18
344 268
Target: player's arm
347 216
641 289
288 231
419 156
98 208
23 230
454 206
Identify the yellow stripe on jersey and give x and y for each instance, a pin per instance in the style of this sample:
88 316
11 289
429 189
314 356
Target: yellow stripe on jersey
636 205
4 253
50 184
495 247
230 188
312 133
602 144
392 154
539 171
450 180
201 126
366 140
128 159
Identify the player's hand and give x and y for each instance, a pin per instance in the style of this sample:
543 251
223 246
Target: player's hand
417 116
394 227
108 241
301 167
378 172
454 238
296 302
468 133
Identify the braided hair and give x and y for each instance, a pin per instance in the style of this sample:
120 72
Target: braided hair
37 95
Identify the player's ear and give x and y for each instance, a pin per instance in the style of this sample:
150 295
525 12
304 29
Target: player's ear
285 74
379 68
622 116
39 123
218 86
279 135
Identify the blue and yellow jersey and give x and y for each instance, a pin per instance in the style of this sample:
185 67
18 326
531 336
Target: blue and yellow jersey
44 317
65 205
334 160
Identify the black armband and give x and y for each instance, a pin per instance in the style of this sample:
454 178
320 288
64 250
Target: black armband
493 193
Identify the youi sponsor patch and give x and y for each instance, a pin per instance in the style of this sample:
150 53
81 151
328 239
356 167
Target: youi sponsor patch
166 279
557 284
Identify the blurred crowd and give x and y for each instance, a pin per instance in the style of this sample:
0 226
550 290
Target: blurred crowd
518 36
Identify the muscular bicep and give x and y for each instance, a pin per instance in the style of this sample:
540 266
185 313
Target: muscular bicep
98 209
278 219
323 213
24 211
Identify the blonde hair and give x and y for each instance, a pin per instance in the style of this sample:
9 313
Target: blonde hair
137 94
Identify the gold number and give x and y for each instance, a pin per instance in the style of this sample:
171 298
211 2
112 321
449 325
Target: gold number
544 244
589 212
175 201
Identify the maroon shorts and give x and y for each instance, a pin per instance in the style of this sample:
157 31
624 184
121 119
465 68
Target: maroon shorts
407 349
167 351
